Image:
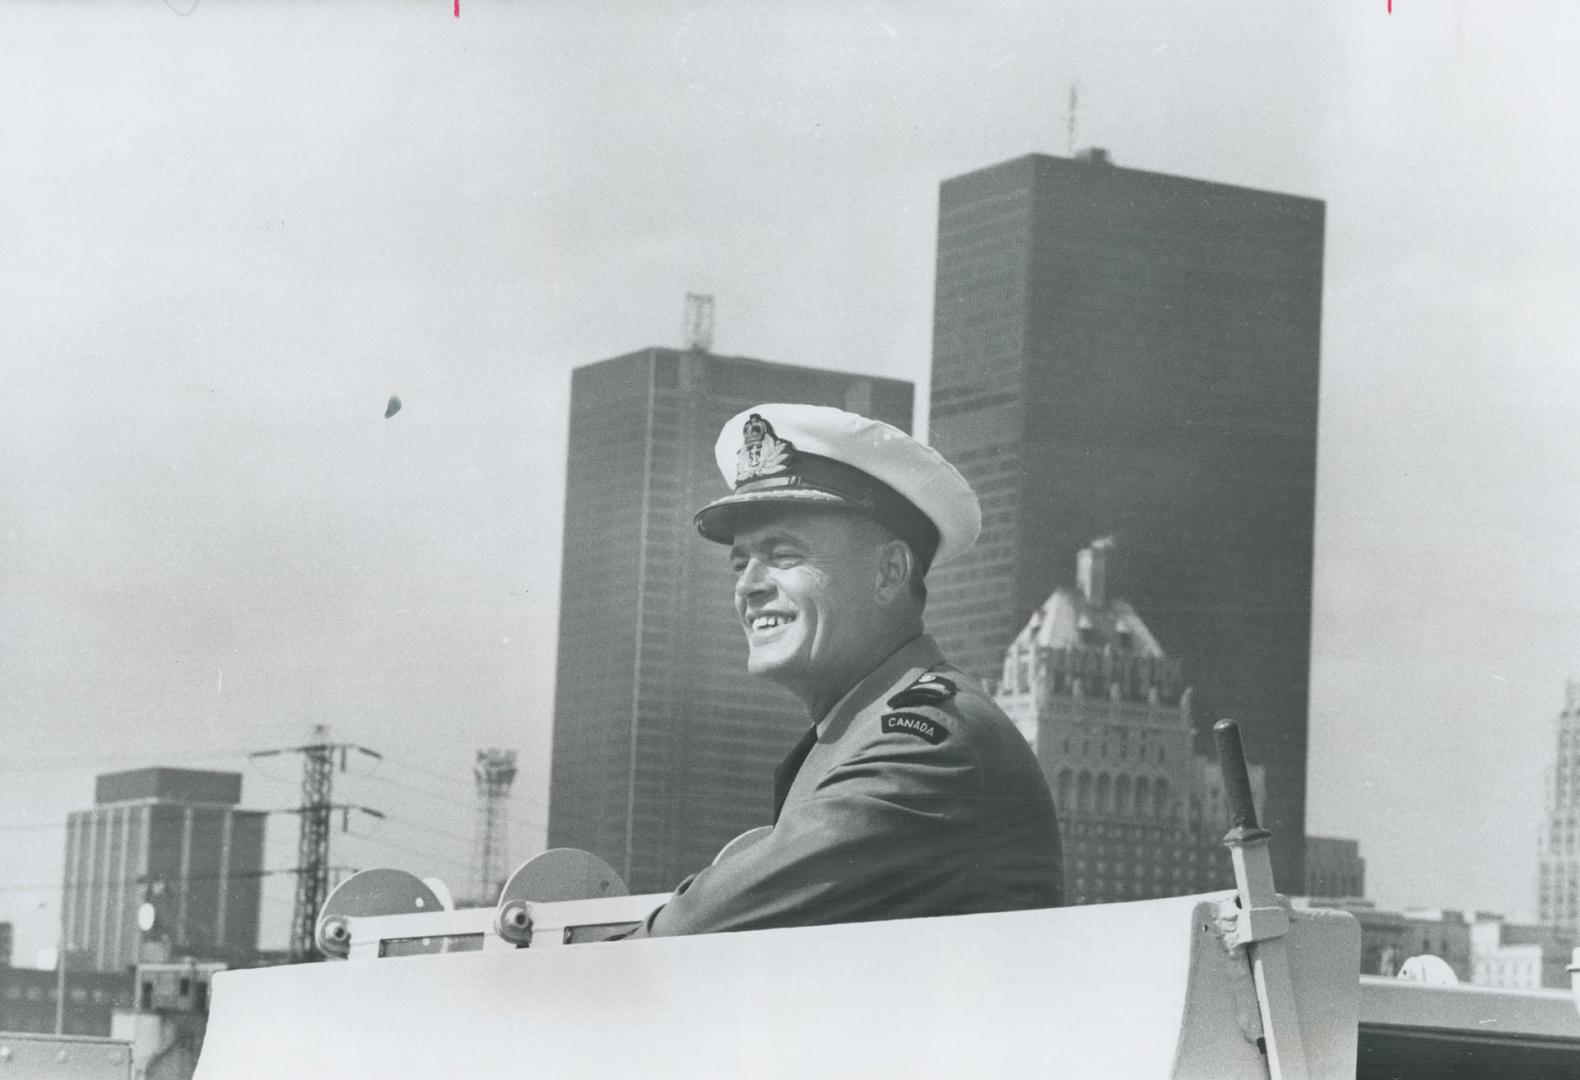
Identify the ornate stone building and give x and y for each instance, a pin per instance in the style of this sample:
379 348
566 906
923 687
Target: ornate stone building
1109 714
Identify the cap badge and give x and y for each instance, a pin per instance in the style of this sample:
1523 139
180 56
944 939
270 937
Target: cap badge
762 453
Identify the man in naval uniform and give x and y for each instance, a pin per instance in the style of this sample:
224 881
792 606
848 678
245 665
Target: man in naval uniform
911 794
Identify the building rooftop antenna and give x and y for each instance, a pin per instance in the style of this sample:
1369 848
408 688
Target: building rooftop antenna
699 321
1075 100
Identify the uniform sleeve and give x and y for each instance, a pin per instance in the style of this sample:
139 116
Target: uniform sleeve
876 831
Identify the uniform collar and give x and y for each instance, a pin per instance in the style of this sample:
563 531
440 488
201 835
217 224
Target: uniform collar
904 664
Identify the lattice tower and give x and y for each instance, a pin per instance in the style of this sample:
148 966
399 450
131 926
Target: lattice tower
495 772
312 849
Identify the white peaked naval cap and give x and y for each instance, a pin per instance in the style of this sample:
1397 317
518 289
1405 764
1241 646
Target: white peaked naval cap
780 454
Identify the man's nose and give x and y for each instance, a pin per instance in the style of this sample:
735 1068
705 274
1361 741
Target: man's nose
752 580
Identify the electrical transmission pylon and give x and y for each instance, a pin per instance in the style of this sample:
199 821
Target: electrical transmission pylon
495 772
312 848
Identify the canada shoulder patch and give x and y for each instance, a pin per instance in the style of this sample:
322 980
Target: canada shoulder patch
924 727
930 689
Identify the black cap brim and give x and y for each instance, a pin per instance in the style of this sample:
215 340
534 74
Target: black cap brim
719 520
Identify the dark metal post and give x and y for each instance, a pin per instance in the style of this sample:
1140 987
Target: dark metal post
1261 921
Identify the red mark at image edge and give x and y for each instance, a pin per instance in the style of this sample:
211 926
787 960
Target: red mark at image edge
458 7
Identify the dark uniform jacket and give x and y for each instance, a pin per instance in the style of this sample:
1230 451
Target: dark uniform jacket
919 798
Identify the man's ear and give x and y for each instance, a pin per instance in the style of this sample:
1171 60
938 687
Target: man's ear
896 564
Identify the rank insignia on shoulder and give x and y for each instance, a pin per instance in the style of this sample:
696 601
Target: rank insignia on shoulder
914 724
930 689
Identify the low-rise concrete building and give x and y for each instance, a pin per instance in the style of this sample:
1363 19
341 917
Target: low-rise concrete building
27 1000
1481 948
1517 956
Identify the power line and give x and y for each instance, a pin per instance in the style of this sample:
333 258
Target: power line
384 842
446 778
57 887
380 778
423 828
67 762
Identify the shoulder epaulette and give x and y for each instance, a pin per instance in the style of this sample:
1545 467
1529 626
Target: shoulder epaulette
930 689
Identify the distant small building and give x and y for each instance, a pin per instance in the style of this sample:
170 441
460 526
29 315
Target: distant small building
1334 867
1481 948
1107 711
7 943
167 1025
27 1000
173 839
1519 957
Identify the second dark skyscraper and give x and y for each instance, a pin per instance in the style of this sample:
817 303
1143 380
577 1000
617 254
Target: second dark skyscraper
1126 353
664 746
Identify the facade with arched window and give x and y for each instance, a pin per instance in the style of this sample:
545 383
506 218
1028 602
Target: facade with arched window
1108 713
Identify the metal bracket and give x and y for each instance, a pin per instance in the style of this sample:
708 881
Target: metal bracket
1243 926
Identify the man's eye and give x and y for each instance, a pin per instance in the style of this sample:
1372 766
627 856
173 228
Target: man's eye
737 565
785 558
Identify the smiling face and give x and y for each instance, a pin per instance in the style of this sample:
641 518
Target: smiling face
810 592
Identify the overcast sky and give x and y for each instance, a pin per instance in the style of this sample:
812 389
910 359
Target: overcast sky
226 238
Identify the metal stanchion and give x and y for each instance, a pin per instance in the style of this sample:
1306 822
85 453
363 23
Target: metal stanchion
1261 922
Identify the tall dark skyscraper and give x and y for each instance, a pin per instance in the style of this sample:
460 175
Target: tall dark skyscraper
664 747
174 838
1124 353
